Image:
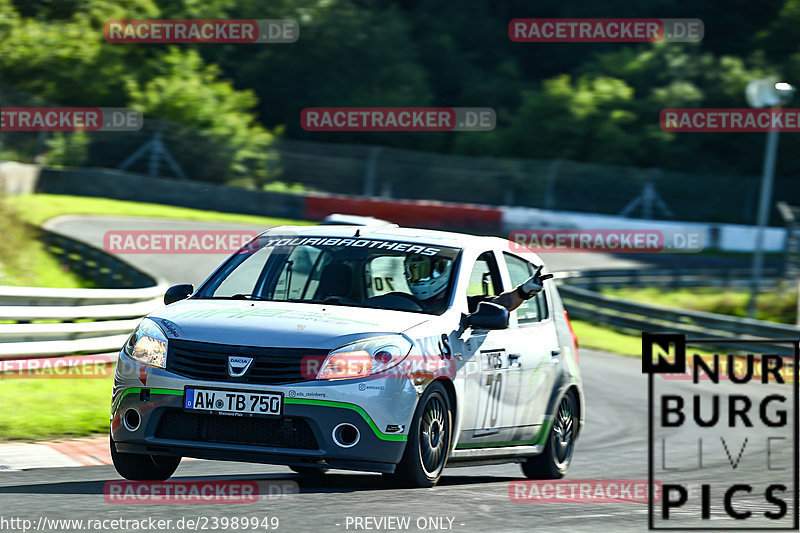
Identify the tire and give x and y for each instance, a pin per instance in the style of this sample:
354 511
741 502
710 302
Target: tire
554 461
308 471
141 467
428 442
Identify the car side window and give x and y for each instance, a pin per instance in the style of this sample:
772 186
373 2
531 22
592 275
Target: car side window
485 277
385 274
535 309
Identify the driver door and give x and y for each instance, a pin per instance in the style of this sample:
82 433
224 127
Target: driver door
489 378
532 338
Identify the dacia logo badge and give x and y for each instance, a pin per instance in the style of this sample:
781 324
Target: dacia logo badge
238 365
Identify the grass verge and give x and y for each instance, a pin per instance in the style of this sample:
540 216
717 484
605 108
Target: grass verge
40 269
603 338
42 409
607 340
36 208
24 260
778 306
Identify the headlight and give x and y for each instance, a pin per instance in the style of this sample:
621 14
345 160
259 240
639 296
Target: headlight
148 344
364 358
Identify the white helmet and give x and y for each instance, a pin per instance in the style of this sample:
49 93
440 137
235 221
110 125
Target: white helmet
427 276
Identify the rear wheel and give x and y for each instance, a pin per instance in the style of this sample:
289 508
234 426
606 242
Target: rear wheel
554 461
428 441
142 467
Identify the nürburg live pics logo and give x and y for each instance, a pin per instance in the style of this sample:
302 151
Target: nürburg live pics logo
723 442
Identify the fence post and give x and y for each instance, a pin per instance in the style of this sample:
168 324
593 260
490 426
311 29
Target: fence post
550 184
369 171
648 199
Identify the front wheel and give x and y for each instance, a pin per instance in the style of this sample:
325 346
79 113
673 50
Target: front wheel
554 461
142 467
428 441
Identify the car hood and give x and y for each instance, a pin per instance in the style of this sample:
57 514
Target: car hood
279 324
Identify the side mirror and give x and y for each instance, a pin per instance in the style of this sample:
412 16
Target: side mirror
489 316
177 293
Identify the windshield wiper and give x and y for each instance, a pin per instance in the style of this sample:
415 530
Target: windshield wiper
241 296
330 300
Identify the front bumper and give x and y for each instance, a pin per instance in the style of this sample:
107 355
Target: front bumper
302 437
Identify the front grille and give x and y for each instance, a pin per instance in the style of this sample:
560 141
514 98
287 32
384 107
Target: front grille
285 433
271 366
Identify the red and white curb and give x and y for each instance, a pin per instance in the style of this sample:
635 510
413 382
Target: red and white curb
91 451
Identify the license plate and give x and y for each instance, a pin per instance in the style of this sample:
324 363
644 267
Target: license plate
233 402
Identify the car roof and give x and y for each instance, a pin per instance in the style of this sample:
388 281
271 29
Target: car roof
418 235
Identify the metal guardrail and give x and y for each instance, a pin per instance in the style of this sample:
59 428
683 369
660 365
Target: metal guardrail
729 278
40 322
584 303
55 322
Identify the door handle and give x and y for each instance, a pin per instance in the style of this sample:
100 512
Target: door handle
555 353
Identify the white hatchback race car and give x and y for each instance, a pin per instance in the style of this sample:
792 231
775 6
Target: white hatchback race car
374 349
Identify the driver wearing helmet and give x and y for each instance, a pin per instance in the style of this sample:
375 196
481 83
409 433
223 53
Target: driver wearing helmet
428 277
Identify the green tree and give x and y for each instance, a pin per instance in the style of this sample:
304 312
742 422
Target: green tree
187 91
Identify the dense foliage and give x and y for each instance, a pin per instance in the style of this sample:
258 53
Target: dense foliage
585 102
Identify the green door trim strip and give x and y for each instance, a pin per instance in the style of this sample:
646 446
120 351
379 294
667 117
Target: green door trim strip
538 439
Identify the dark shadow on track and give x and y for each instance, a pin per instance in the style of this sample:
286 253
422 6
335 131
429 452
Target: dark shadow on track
327 483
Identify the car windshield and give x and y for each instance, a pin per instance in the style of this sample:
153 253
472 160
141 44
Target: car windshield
356 271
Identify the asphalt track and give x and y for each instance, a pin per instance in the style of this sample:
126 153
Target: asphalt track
613 445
